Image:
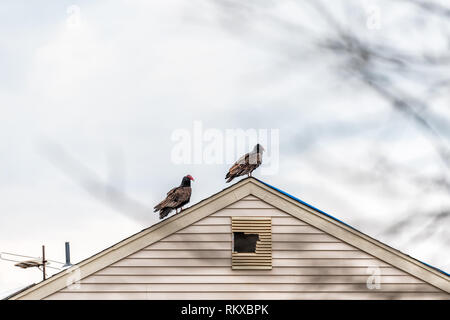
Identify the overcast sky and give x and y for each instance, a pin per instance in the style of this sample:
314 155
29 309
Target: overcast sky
92 93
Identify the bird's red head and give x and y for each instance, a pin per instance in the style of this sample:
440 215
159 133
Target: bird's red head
190 177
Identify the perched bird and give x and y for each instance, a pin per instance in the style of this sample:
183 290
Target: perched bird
246 164
176 198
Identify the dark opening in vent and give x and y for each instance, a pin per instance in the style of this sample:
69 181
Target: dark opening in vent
244 242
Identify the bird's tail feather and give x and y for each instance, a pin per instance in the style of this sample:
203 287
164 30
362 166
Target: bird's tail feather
164 212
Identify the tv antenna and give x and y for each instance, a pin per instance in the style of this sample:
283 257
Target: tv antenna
36 262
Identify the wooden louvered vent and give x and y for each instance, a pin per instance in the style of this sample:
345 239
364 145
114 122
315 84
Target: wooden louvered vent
247 255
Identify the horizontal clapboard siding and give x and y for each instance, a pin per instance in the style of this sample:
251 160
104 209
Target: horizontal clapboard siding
215 279
202 229
196 263
227 237
264 212
279 221
225 262
250 287
207 254
288 271
171 295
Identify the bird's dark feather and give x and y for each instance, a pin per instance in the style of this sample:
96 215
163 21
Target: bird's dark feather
176 198
245 165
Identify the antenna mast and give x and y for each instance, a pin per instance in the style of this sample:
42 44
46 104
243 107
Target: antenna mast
43 262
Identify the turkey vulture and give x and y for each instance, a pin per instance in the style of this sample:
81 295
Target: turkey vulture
176 198
246 164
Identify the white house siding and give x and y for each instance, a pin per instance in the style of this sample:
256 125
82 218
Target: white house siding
195 263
